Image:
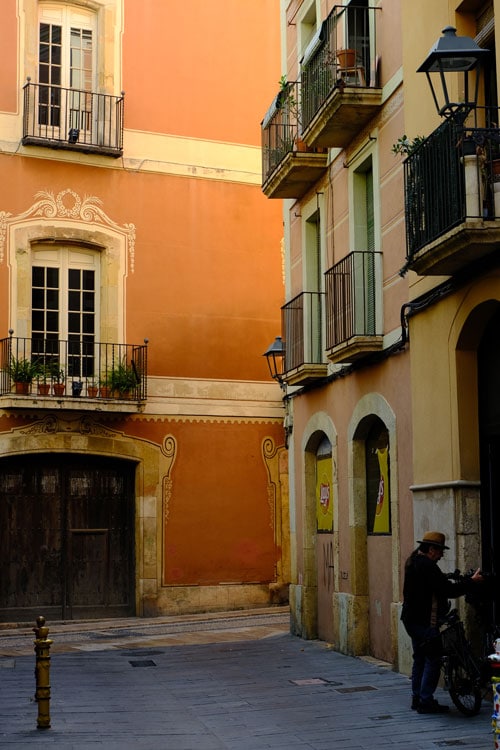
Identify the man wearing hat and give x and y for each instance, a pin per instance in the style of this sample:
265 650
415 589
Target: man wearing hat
425 602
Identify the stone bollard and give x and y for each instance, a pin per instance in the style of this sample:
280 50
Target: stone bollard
42 673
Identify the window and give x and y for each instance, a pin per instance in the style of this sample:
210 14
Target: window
64 308
314 285
364 240
65 61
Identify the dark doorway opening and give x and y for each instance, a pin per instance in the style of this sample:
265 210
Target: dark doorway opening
489 436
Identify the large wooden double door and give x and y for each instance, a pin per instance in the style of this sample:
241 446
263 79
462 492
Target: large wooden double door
66 537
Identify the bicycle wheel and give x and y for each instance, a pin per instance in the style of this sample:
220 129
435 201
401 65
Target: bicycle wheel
464 691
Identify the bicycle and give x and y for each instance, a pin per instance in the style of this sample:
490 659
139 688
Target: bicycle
467 675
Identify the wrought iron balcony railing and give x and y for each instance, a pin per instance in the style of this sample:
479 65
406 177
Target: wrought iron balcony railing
342 54
450 178
76 368
72 119
302 330
351 297
289 166
280 128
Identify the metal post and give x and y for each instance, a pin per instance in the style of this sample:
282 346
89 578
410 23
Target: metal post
42 673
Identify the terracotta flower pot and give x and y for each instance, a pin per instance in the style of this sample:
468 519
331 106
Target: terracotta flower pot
92 391
346 58
43 389
22 388
58 389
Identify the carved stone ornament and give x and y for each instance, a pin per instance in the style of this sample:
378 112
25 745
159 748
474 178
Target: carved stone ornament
68 205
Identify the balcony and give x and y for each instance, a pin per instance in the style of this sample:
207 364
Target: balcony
289 167
302 328
452 197
352 292
50 373
339 74
72 120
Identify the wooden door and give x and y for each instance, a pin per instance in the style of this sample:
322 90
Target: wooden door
66 537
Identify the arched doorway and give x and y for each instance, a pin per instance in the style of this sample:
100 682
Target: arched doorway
374 544
66 536
324 539
488 361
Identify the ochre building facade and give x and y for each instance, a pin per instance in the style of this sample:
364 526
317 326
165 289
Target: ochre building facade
142 452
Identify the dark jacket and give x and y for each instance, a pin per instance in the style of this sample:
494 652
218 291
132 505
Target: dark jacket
423 580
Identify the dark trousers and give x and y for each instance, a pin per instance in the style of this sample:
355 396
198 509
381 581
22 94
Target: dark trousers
426 670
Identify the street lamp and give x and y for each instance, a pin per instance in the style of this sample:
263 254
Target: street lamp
275 355
454 54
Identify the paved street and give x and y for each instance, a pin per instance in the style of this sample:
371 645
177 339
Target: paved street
236 681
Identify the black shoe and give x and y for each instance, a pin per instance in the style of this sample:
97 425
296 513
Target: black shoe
415 702
432 707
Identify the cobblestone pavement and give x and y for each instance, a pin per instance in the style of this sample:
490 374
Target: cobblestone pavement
235 681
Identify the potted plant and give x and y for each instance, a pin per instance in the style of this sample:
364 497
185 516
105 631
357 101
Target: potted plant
123 379
58 382
105 386
22 371
346 58
92 388
43 375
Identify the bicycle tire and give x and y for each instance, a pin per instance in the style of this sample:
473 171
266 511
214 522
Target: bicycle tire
464 691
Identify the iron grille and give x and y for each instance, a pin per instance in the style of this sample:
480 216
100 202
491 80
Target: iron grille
347 29
115 370
280 128
438 193
302 330
351 298
72 119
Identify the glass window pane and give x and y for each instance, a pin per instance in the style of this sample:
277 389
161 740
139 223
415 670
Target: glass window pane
44 55
56 57
52 321
74 278
56 34
73 322
37 320
74 301
37 276
88 323
88 301
52 299
53 277
37 299
44 32
88 280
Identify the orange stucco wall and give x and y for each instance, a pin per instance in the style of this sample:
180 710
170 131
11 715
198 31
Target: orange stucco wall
200 290
208 73
8 69
225 522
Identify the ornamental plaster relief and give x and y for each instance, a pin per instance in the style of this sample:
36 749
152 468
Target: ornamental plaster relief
68 209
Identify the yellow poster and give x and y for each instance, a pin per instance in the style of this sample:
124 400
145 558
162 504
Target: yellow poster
324 494
382 522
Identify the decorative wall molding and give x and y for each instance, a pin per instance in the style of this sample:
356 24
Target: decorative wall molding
169 449
68 207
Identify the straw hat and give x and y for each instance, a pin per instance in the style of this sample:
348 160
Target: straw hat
435 538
